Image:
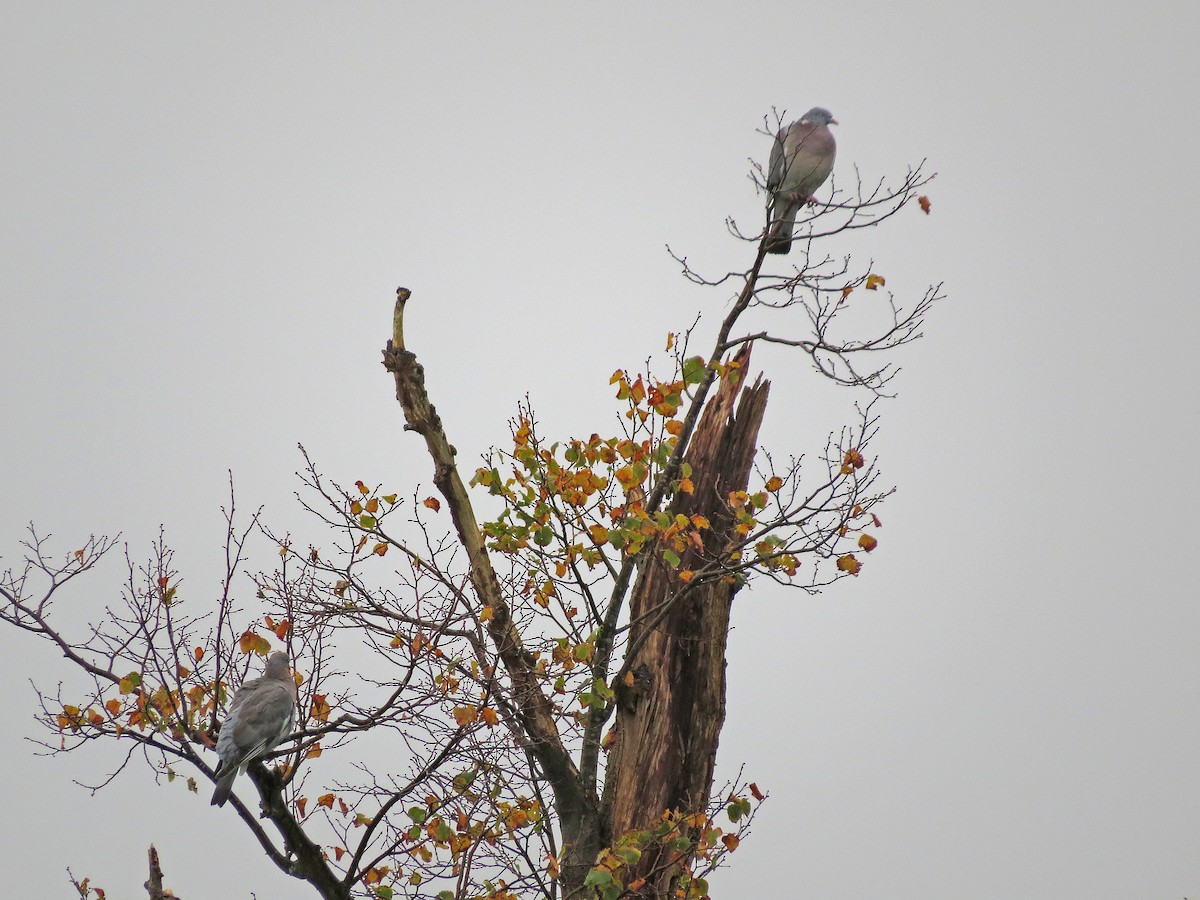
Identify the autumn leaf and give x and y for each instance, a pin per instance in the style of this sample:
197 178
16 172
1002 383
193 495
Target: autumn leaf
362 488
282 629
198 653
758 795
301 802
847 291
320 708
372 506
465 715
730 841
325 800
380 549
874 282
433 503
251 642
848 564
686 486
490 718
313 752
867 542
774 483
923 201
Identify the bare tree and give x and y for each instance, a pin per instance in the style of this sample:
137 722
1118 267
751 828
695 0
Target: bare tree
547 683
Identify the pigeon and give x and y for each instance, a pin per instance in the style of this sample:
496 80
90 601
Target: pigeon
801 160
262 714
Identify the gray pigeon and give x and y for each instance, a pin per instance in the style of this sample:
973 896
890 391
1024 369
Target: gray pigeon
262 714
801 160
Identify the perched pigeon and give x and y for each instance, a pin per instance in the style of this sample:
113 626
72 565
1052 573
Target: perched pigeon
263 713
801 160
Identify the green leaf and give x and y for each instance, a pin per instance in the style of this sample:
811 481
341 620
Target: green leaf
417 814
671 559
694 369
543 536
365 521
383 892
598 878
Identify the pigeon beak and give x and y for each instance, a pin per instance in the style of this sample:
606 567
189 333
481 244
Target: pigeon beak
833 121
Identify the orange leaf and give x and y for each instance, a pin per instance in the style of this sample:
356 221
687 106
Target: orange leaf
686 575
923 201
875 281
489 717
372 506
465 715
432 503
325 800
486 614
380 549
674 426
113 706
774 483
313 752
686 486
198 653
250 642
849 564
301 802
338 853
730 841
867 542
362 488
282 628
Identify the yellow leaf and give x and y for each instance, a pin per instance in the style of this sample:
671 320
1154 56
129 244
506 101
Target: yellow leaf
379 549
465 715
313 752
486 614
686 486
490 718
320 707
686 575
774 483
362 488
325 800
867 542
874 282
372 506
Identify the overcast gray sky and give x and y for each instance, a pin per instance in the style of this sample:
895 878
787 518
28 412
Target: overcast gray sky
206 211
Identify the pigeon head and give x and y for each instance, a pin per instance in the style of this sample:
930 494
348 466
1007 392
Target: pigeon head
819 115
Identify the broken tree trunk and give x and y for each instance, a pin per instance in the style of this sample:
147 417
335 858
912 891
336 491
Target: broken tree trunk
670 720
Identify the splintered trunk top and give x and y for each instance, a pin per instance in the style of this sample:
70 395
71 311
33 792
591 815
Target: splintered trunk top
669 720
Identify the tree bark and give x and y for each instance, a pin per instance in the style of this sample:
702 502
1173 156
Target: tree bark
670 722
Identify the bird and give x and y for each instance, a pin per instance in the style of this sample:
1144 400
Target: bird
262 714
801 160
